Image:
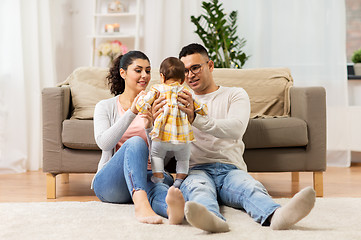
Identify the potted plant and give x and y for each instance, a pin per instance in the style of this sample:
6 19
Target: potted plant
218 31
356 59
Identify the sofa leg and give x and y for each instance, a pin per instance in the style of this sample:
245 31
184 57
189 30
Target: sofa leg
50 186
295 176
318 183
65 178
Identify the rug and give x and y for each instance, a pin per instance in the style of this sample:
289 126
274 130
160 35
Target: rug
331 218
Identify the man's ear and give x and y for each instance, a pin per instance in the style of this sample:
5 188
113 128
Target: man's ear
122 73
211 65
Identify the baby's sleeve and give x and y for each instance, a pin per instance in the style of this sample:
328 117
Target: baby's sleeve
199 107
145 102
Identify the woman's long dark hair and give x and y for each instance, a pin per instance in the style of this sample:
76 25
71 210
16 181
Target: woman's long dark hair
115 81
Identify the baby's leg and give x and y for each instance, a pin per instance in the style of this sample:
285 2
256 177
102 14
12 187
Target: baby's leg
182 156
158 153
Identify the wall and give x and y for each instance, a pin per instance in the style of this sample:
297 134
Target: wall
353 42
353 18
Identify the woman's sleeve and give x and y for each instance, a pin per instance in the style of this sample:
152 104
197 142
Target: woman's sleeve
107 135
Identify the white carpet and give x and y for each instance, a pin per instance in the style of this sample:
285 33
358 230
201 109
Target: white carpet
332 218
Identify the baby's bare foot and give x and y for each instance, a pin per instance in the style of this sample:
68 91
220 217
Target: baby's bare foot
143 211
175 203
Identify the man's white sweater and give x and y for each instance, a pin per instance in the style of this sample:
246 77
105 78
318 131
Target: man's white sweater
219 134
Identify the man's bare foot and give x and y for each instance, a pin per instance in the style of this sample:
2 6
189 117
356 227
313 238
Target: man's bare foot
175 203
143 211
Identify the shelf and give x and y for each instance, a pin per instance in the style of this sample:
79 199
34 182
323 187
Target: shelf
107 36
353 77
127 23
115 14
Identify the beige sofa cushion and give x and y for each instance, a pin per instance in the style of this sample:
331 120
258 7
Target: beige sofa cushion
88 86
79 134
276 132
268 88
260 133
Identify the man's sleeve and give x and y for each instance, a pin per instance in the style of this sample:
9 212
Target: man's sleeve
234 124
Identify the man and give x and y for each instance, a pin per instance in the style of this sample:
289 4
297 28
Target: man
218 173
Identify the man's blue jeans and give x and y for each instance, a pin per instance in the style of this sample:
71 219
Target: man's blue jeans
126 172
209 184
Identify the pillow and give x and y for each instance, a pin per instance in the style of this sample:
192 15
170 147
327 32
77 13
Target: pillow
88 85
267 88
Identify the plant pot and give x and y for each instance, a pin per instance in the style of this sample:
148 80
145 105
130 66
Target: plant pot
357 69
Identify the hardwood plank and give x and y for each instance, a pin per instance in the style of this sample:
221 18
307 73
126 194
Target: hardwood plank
31 186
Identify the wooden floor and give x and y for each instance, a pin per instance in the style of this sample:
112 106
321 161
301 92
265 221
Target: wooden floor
31 186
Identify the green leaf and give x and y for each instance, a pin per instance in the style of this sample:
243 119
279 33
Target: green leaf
218 32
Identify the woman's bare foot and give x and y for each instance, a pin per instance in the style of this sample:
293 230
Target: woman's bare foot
175 203
143 211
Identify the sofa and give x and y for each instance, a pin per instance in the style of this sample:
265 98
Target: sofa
286 131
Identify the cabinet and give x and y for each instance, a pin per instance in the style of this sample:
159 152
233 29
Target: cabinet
117 22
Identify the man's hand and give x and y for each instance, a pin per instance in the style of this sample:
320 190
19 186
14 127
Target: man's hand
187 100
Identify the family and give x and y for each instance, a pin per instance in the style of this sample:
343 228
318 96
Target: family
138 132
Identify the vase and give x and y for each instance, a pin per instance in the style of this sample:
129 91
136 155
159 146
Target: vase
357 69
104 61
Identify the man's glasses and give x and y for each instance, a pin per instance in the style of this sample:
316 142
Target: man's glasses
196 68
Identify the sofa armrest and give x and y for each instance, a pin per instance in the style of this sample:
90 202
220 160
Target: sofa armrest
309 104
55 103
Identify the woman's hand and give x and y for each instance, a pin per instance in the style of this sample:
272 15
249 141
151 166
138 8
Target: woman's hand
133 107
187 100
148 119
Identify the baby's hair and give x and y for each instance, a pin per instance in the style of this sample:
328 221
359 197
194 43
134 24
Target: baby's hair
172 68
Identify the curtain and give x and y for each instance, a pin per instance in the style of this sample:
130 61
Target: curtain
25 68
309 37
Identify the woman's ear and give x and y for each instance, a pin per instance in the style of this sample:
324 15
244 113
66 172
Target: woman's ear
122 73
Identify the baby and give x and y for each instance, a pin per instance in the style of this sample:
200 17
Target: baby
171 131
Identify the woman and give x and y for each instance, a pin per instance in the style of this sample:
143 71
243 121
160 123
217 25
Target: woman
120 133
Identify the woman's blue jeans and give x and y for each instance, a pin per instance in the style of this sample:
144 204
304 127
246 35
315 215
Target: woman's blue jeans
127 172
210 184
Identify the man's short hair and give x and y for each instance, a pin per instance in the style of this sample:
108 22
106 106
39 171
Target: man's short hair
192 49
172 67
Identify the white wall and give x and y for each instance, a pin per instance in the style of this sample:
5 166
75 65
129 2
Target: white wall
71 28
